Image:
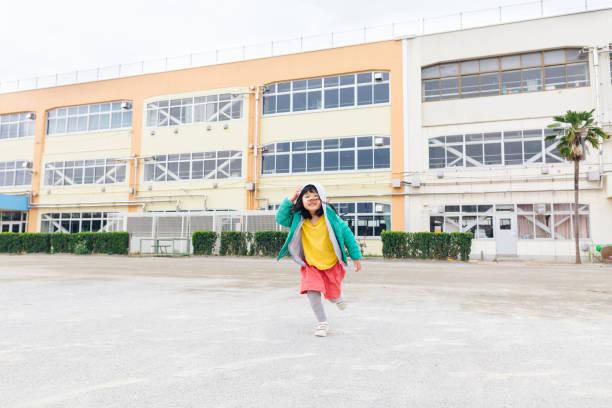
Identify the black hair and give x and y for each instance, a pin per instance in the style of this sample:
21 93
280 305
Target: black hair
299 203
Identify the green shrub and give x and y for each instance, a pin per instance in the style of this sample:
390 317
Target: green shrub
80 247
11 242
426 245
35 242
204 242
395 244
268 243
60 242
235 243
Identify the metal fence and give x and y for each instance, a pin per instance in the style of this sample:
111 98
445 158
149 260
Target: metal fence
148 230
422 26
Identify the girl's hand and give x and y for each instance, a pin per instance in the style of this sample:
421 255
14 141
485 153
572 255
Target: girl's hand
295 195
357 263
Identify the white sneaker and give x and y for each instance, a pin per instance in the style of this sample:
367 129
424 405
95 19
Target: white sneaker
321 329
341 305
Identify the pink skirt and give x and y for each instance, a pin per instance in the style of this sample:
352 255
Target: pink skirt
326 281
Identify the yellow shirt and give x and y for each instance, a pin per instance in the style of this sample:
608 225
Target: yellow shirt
318 249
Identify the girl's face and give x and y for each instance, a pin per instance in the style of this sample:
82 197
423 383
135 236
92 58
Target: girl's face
311 201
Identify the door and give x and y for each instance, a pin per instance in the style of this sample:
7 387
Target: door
505 230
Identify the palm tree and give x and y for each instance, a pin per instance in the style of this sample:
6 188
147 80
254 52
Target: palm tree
572 131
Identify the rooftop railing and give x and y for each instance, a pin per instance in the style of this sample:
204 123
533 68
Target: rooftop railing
451 22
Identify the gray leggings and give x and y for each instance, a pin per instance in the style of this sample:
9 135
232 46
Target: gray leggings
317 306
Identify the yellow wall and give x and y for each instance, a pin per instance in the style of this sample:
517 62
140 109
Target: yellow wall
375 56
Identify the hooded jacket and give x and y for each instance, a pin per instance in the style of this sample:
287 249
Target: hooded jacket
340 234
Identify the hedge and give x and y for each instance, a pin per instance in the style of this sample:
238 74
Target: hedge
235 243
94 242
204 242
261 243
269 243
427 245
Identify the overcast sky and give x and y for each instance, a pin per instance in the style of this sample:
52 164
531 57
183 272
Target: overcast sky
47 37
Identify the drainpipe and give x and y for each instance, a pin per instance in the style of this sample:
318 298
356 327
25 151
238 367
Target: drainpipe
142 203
256 148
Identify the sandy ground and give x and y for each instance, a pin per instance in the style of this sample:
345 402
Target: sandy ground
102 331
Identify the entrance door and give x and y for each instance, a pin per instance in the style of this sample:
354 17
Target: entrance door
505 230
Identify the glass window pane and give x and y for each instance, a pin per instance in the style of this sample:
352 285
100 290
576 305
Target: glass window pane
126 119
365 225
283 87
449 69
314 83
469 67
332 99
314 161
331 81
299 101
382 158
347 79
282 163
314 145
489 64
299 85
381 93
474 156
298 146
454 156
347 160
269 104
314 100
470 86
511 62
347 142
430 72
364 95
436 158
511 82
331 144
575 54
283 147
331 161
492 154
555 77
298 163
364 141
532 80
365 159
449 88
364 77
531 60
267 164
554 57
283 103
577 75
513 153
431 90
364 208
347 96
532 149
116 120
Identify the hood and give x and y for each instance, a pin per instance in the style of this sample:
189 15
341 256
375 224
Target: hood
320 190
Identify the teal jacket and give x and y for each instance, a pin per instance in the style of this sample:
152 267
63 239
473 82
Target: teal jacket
340 234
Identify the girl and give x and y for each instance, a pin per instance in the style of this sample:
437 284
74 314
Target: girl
316 242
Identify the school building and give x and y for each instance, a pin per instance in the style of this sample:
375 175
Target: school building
437 132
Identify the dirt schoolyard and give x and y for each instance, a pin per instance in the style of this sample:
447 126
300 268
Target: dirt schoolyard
112 331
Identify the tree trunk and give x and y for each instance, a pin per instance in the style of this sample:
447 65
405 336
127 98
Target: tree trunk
576 220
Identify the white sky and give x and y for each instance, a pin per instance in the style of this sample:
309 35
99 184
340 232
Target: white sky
47 37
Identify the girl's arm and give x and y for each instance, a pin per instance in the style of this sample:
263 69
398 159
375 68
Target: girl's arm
283 215
350 242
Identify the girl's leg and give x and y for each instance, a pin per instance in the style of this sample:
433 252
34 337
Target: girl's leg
339 302
317 307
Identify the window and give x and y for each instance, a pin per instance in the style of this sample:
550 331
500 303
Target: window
545 220
514 147
15 173
194 166
90 118
16 125
199 109
534 221
74 222
347 153
79 172
13 221
365 219
333 92
529 72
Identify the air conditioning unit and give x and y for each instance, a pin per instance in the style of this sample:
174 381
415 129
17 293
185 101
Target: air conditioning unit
378 76
396 183
250 186
26 165
31 115
378 208
126 105
415 182
378 141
